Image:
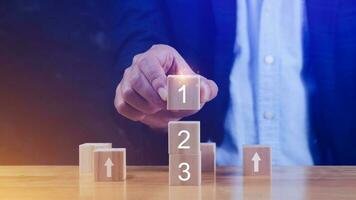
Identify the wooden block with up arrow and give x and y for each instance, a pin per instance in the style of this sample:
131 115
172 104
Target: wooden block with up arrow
110 164
208 157
256 160
86 156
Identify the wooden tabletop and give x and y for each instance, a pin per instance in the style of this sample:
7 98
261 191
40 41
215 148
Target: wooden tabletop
63 182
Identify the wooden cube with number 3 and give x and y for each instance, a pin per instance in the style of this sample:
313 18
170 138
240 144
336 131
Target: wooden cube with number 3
185 169
184 137
183 92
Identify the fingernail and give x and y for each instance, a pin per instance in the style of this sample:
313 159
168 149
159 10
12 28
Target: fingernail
163 93
206 92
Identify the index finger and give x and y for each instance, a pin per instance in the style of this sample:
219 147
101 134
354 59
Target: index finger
157 62
151 68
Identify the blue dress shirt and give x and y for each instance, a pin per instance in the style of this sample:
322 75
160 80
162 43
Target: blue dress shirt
268 98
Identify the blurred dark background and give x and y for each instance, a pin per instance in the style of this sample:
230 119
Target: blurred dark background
58 76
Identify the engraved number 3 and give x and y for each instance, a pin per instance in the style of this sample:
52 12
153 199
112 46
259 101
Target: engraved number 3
186 171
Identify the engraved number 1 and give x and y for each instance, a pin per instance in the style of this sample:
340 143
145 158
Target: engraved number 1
186 171
182 89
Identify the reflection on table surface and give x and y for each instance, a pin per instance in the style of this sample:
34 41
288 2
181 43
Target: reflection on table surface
63 182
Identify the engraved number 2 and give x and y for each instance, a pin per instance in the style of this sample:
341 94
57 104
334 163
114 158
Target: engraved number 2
182 144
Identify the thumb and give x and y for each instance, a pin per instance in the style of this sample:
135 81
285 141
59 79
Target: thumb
208 90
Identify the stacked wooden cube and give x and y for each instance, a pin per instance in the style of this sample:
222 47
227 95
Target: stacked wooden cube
184 136
184 153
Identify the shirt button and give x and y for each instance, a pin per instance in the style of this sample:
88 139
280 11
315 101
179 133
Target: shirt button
269 60
268 115
267 9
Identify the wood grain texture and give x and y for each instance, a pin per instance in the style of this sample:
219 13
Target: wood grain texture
178 134
110 164
184 169
257 160
86 156
208 157
176 100
63 182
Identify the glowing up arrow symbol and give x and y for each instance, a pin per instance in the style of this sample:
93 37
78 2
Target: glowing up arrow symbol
108 164
256 160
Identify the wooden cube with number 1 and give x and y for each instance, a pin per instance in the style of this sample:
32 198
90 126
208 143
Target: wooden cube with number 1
183 92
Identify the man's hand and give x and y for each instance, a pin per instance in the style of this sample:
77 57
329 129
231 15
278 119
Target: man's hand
142 93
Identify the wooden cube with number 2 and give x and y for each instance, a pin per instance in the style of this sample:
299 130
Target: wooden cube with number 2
184 137
183 92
